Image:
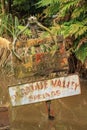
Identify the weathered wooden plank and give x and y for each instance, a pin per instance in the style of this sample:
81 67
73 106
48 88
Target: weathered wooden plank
28 93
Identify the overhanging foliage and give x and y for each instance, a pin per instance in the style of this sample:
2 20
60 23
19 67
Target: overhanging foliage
72 19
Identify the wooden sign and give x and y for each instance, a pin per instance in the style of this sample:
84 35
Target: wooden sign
41 60
44 90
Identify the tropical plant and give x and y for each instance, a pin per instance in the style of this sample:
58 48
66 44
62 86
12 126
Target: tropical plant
26 32
71 21
52 6
9 25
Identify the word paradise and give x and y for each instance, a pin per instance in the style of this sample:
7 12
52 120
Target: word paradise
28 93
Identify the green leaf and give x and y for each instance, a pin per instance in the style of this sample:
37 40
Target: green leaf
82 52
78 11
26 32
43 3
65 7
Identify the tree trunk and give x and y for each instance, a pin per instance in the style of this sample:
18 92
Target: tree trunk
9 5
3 6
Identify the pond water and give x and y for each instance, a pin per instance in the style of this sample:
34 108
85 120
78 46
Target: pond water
70 114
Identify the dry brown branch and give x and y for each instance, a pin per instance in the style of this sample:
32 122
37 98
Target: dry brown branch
82 41
5 128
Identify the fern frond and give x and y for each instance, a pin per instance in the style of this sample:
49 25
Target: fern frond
76 29
52 9
81 31
56 29
78 11
84 21
65 7
65 30
80 55
43 3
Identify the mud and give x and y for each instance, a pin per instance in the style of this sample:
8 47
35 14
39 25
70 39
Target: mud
70 114
4 118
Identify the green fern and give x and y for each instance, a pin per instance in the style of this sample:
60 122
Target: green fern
80 55
76 23
76 29
43 3
66 6
52 9
78 11
9 25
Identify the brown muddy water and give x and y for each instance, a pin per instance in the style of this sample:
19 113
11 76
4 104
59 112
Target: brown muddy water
70 113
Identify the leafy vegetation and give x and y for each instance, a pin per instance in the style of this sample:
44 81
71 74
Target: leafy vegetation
71 21
9 25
